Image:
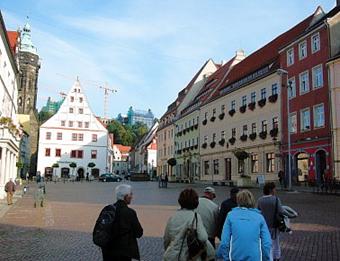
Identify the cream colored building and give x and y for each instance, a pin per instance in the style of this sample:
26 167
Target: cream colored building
334 85
243 116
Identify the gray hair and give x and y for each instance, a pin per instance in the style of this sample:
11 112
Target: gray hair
122 190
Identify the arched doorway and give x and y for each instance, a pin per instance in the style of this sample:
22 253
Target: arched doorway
301 170
65 173
80 173
320 165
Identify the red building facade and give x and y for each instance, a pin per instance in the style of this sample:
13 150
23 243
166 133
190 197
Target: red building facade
305 76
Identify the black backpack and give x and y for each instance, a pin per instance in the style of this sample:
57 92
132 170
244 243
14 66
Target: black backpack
104 230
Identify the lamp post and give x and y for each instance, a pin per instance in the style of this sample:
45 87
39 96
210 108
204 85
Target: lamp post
289 88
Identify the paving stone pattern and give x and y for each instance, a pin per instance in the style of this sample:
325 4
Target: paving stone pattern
61 230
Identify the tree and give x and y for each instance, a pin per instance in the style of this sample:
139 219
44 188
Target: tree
126 134
73 165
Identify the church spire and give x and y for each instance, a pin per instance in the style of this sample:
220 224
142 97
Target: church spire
26 44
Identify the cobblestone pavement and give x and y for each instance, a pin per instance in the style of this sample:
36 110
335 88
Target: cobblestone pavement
61 230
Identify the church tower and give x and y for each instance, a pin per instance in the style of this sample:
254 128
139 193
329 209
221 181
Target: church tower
29 65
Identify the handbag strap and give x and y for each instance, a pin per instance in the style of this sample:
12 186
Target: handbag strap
185 235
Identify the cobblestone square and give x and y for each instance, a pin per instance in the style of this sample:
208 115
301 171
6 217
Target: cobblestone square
61 230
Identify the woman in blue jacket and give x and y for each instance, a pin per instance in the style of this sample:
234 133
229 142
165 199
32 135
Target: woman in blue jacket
245 235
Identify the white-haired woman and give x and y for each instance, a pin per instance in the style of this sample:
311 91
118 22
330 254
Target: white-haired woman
245 234
125 246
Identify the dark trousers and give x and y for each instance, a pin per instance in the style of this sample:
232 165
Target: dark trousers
107 256
212 241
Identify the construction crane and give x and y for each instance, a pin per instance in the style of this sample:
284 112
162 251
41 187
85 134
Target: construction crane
107 91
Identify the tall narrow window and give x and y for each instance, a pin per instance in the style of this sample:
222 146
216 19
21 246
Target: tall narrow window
304 82
253 97
87 124
253 127
244 100
270 162
233 132
274 88
48 135
290 56
305 120
317 77
293 123
206 167
263 93
80 137
47 152
291 88
303 50
254 163
319 116
94 137
59 136
233 105
216 166
62 123
275 123
264 126
74 136
315 42
93 154
58 152
245 130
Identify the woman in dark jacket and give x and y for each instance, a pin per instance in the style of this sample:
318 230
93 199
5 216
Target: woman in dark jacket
125 246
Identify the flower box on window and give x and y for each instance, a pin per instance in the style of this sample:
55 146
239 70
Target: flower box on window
204 145
261 102
243 137
212 144
196 147
272 98
252 136
243 108
184 131
192 147
179 133
222 142
232 112
179 152
221 116
213 118
263 134
204 122
192 128
251 106
274 132
196 126
232 140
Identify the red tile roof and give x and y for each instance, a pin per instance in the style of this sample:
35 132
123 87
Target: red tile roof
266 55
122 148
13 40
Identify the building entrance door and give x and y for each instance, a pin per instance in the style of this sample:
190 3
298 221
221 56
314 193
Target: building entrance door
227 162
65 173
320 165
301 167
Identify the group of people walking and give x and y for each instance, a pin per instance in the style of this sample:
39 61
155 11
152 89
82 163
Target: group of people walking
246 229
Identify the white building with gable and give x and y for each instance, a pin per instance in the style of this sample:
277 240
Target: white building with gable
73 135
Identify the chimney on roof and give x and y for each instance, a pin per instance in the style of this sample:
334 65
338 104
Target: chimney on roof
240 55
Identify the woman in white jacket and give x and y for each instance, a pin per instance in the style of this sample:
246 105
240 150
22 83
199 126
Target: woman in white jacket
175 243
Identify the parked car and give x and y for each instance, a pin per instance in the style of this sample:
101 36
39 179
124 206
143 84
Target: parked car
108 177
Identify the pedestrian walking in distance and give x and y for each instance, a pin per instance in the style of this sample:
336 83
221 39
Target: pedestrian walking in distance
245 234
269 204
124 246
209 213
175 235
226 206
10 189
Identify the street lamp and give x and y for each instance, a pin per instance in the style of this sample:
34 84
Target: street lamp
289 88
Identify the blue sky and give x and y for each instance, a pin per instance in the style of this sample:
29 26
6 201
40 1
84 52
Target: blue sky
148 50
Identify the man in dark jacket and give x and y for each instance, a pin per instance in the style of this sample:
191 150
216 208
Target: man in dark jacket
10 189
226 206
125 246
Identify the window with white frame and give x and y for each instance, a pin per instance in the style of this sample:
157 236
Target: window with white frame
233 132
303 50
254 163
293 123
222 135
263 93
222 108
245 130
274 89
292 88
315 42
206 167
270 162
290 56
305 119
244 100
319 116
317 77
233 105
304 82
216 166
253 127
214 137
253 97
264 126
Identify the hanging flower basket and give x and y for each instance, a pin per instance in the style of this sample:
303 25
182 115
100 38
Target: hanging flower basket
196 147
251 106
243 137
232 140
241 154
273 133
204 122
273 98
213 118
222 142
261 102
263 134
221 116
252 136
192 128
243 108
196 126
212 144
232 112
204 145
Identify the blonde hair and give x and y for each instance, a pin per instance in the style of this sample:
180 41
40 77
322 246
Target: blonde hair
245 199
